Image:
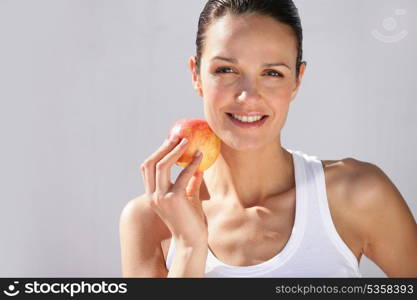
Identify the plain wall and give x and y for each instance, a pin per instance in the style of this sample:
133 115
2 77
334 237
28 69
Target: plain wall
88 89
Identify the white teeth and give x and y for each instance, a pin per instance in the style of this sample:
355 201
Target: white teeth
247 119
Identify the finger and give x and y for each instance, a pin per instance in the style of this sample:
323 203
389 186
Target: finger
145 180
193 186
149 165
163 167
187 173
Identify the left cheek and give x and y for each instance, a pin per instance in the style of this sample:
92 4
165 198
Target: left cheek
279 94
287 88
279 103
283 85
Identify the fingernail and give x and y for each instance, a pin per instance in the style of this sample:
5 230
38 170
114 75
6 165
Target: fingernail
198 154
184 141
173 138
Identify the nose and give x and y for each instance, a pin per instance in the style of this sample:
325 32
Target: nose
248 92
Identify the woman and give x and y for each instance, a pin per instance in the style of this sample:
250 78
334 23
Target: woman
261 210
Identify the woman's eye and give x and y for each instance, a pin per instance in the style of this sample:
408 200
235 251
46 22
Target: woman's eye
220 70
227 70
276 74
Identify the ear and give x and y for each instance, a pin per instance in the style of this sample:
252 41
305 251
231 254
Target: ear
298 82
194 76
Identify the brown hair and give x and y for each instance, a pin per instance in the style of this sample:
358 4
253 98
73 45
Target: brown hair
283 11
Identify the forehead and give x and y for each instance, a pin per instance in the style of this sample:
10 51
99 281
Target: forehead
250 35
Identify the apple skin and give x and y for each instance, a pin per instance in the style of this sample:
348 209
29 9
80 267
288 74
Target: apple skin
200 137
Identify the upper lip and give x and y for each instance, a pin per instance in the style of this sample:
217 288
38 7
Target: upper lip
247 114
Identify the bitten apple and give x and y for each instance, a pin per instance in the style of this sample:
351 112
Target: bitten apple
200 137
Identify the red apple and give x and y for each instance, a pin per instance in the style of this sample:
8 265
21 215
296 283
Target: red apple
200 137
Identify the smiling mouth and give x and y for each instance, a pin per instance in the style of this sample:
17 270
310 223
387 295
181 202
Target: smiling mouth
231 116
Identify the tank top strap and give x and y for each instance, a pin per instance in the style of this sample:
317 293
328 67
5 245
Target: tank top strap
316 174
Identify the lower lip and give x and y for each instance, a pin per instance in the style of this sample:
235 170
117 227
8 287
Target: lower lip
256 124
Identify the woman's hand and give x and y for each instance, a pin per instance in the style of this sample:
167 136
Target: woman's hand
177 204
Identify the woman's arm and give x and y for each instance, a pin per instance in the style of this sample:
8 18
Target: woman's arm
141 253
189 261
387 225
140 232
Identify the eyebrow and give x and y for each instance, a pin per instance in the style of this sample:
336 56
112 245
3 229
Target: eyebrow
234 61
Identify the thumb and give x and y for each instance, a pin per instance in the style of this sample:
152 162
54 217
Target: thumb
193 186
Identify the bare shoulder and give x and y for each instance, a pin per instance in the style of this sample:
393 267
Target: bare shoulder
340 178
139 210
141 231
367 202
355 178
361 187
363 183
136 209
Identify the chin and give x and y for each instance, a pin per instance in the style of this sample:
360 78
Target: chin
244 145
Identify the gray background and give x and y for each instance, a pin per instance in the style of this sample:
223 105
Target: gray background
88 89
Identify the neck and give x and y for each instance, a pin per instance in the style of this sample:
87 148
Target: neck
249 178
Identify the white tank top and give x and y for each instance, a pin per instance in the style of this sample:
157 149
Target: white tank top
314 248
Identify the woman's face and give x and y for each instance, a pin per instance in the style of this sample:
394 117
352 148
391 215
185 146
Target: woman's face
235 77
